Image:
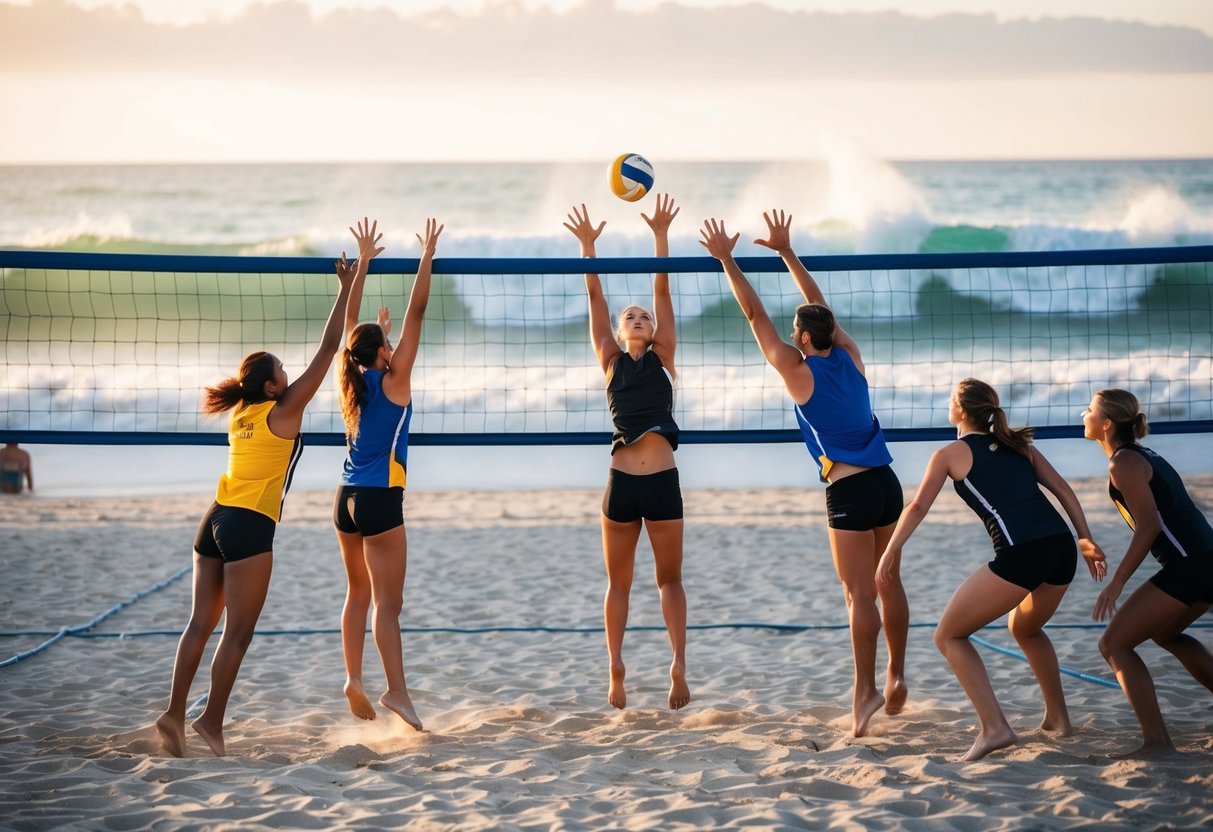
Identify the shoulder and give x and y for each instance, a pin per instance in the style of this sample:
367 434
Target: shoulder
1126 464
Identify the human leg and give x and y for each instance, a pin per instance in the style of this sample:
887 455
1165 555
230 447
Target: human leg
245 585
854 561
1191 652
387 559
895 611
1026 624
353 621
666 538
1147 612
982 598
619 554
206 609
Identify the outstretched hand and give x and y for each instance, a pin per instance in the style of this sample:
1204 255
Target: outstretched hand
385 320
1096 560
345 270
663 215
716 240
368 237
579 223
429 243
779 233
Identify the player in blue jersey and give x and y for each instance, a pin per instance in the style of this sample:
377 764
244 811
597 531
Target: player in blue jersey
1166 523
824 374
998 473
642 483
368 511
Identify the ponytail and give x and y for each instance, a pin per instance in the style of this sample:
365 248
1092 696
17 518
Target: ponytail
1123 410
247 386
353 385
980 403
359 353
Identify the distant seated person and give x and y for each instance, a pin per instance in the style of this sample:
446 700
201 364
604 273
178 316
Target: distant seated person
15 468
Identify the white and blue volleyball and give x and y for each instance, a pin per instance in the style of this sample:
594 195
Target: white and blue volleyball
631 177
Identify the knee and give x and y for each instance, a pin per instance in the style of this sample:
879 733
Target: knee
1107 647
860 597
946 639
391 607
674 579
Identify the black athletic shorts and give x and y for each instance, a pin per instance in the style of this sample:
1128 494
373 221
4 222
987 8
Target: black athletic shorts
368 510
1046 560
1187 579
233 533
631 497
864 501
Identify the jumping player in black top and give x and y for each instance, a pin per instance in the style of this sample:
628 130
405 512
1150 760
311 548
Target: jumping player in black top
998 473
1165 522
642 484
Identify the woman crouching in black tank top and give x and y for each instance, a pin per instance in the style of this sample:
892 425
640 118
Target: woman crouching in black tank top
1156 505
642 483
998 473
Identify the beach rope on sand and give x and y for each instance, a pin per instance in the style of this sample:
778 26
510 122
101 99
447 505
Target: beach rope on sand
80 629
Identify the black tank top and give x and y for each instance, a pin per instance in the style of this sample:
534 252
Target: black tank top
1001 488
1185 530
641 398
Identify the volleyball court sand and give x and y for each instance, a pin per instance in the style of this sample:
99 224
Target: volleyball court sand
518 731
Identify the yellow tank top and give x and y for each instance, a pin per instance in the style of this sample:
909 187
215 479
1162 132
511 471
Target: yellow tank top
259 464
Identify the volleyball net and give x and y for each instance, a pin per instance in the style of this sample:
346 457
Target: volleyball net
108 348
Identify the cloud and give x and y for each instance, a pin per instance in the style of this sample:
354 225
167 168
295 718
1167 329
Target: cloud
594 44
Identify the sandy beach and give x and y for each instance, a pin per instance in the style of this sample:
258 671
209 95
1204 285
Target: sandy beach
518 730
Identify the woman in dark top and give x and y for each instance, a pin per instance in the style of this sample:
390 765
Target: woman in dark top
998 473
642 483
1165 522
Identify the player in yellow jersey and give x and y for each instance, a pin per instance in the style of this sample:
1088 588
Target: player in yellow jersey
233 551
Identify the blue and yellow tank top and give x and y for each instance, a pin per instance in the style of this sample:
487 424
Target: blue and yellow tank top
378 455
1185 531
837 421
259 464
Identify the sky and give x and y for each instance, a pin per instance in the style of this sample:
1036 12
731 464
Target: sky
566 80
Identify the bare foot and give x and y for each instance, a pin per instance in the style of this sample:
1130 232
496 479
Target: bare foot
398 702
213 738
862 711
1147 750
986 743
680 694
895 693
615 694
360 706
1057 725
172 734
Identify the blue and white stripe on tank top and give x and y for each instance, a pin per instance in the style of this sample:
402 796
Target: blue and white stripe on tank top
837 421
378 455
1184 531
1002 489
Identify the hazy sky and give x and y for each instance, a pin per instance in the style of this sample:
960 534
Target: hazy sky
412 80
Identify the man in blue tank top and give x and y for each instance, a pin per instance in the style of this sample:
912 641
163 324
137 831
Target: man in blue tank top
824 374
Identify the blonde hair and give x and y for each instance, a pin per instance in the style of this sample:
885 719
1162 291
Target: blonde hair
1124 411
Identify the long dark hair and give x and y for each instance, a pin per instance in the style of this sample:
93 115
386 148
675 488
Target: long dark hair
980 403
364 344
818 321
1124 411
248 385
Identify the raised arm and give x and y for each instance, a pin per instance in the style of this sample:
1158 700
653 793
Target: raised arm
405 355
665 340
367 235
782 356
602 338
1046 475
1130 474
779 240
287 417
943 460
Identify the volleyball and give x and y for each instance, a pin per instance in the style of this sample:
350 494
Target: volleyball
630 177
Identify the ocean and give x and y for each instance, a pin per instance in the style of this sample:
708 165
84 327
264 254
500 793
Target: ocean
848 203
